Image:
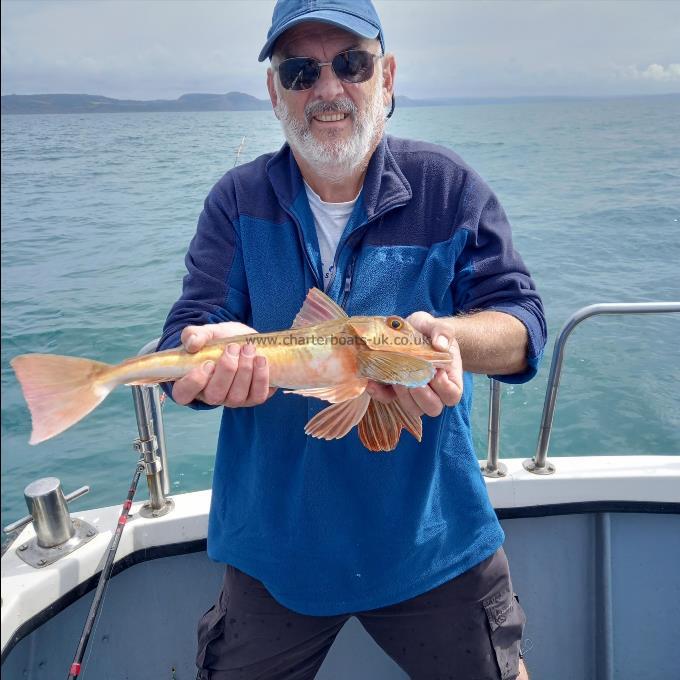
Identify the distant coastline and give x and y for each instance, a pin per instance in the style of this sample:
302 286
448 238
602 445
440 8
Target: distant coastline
232 101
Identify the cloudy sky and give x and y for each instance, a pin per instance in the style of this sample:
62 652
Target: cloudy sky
146 49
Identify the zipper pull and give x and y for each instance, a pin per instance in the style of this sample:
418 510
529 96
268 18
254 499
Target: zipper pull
348 282
348 278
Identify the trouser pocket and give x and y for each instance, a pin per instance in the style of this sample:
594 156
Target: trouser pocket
210 631
506 624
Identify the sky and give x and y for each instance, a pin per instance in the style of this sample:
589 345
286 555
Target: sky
161 49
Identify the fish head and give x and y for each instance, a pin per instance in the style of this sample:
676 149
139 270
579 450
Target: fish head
395 334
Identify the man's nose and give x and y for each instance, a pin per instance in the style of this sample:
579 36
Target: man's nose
329 86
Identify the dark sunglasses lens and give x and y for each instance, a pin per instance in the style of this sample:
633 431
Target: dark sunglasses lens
298 73
354 66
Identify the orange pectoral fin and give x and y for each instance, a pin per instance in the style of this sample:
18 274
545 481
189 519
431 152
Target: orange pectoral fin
381 426
394 368
337 420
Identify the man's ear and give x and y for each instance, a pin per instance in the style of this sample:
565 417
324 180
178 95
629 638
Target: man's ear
272 90
389 71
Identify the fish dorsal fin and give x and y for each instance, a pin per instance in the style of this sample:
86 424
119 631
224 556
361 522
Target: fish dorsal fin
318 308
394 368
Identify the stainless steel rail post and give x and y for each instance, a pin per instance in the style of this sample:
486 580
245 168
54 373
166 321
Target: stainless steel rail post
539 464
151 443
492 468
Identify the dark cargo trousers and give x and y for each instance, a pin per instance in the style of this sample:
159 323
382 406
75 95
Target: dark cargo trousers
469 628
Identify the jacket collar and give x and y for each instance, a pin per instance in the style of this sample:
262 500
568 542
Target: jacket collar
385 186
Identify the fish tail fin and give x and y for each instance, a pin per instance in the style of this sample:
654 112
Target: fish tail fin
381 426
59 390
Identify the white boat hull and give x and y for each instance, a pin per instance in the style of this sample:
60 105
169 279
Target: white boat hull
594 552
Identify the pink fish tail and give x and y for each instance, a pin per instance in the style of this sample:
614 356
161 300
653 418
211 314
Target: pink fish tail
59 390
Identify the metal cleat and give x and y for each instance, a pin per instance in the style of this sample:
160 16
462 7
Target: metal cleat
56 534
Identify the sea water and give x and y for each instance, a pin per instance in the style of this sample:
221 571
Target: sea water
98 211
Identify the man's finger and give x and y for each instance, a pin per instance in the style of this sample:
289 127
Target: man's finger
421 321
427 400
190 386
194 337
448 391
215 392
455 368
406 400
240 387
454 371
259 387
380 392
228 329
436 329
442 339
441 334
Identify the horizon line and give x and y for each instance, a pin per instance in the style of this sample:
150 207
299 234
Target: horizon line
415 99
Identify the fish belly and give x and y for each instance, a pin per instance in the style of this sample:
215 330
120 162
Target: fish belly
310 366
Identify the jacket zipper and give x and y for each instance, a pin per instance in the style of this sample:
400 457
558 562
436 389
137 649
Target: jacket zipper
348 278
350 270
308 259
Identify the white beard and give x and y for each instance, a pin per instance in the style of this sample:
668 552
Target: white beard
335 158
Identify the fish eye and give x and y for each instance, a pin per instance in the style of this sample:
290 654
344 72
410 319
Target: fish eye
395 322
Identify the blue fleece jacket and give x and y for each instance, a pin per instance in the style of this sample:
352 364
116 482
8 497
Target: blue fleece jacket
330 527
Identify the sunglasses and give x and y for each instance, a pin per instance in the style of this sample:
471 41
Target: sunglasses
352 66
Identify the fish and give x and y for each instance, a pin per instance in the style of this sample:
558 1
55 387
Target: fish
326 354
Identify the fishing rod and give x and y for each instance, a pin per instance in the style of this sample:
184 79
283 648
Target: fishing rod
238 151
104 577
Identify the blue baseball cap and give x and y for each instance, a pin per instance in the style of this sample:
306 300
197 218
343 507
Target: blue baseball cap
356 16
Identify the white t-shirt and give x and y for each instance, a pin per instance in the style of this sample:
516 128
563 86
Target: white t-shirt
330 220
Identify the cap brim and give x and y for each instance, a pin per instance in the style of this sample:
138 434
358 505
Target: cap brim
348 22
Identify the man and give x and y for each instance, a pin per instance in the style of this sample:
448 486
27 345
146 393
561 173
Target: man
313 531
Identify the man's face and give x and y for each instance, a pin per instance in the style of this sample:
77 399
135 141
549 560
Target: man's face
334 148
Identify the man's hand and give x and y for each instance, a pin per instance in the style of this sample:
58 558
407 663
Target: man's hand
239 378
445 389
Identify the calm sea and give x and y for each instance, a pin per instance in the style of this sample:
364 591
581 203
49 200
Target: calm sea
98 210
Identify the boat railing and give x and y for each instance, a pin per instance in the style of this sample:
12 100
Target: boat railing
152 447
492 467
539 464
151 443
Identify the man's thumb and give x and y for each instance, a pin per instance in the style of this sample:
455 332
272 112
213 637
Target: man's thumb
440 341
195 339
441 334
